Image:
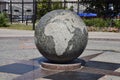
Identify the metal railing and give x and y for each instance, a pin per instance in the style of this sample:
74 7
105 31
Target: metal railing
19 10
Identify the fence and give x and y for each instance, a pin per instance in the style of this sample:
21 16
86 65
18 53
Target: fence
25 10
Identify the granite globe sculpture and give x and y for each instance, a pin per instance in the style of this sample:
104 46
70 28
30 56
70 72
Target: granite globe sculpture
61 36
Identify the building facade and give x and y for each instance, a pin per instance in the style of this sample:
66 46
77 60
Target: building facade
73 5
22 7
3 5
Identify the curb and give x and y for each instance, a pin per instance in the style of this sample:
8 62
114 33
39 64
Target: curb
104 39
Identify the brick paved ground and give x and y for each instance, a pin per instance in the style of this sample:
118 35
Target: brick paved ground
20 60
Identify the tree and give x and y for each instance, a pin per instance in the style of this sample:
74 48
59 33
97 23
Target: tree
42 8
102 7
45 6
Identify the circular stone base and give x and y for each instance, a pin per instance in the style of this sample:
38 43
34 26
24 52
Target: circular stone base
62 67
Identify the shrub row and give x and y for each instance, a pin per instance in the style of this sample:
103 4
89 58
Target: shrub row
3 20
99 22
117 23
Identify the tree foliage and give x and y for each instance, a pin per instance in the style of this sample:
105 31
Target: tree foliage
45 6
101 7
3 20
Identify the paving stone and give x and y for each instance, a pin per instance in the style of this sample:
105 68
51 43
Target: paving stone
24 54
110 57
7 76
89 52
4 61
43 79
103 45
109 77
14 49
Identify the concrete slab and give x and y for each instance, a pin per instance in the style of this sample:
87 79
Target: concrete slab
15 33
103 45
43 79
109 77
8 76
110 57
17 50
104 35
20 54
89 52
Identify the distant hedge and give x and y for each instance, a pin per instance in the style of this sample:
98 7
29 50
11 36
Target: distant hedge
3 20
96 22
100 22
117 23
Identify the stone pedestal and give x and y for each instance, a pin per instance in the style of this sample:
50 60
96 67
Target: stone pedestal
60 67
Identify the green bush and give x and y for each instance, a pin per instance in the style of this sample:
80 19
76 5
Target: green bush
88 22
97 22
3 20
44 7
117 23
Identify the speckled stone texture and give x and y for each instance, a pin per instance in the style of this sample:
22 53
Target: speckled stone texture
61 36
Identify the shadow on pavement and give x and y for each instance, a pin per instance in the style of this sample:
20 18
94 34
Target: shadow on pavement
92 70
72 75
17 68
103 65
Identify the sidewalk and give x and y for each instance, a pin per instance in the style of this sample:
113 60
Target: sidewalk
16 33
104 35
20 60
24 33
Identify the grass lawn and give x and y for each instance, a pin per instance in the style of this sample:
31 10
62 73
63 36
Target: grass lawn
19 26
